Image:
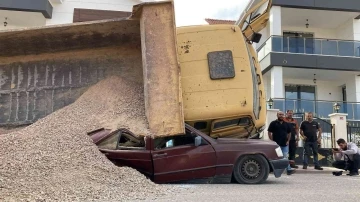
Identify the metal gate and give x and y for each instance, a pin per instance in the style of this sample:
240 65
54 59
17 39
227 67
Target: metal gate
353 135
328 135
299 117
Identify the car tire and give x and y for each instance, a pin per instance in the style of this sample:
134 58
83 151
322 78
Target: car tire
251 169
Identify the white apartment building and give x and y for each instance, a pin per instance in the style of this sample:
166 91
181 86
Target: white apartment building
310 56
16 14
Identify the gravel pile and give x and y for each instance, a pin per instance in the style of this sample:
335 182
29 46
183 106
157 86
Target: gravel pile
54 160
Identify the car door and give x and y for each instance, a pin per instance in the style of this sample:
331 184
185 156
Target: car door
177 158
118 149
254 17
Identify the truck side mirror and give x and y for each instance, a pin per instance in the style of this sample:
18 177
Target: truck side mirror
256 37
198 141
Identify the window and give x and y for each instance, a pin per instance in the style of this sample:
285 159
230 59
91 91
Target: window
299 42
175 141
110 142
300 98
255 14
125 141
259 11
233 122
221 64
200 125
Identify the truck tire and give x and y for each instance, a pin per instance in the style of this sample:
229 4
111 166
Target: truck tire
251 169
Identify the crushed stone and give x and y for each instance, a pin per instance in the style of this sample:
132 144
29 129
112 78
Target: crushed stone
54 160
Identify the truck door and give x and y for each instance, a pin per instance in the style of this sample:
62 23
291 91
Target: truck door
254 18
240 127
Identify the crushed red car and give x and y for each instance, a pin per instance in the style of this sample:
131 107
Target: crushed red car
192 157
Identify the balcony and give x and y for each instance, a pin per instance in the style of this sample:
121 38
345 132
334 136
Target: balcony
38 6
310 46
320 108
343 5
315 53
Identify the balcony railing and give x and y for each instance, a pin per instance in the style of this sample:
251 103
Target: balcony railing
311 46
321 109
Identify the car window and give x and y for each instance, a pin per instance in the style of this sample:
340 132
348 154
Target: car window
126 141
110 142
233 122
175 141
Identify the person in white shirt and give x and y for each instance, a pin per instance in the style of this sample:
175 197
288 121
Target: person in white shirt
351 155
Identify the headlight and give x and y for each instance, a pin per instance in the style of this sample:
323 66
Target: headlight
279 152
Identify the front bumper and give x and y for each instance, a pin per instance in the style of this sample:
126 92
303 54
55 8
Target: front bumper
279 166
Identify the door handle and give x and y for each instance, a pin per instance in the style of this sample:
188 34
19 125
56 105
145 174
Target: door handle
158 155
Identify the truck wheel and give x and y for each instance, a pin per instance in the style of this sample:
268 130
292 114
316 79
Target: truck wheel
251 169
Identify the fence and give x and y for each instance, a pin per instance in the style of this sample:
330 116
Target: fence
320 108
327 136
311 46
353 134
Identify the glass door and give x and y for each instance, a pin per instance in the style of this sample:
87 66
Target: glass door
300 98
298 42
344 105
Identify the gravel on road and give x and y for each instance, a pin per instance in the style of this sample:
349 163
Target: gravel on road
54 160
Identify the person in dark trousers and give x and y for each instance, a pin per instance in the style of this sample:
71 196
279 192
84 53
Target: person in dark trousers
310 131
280 132
351 155
294 140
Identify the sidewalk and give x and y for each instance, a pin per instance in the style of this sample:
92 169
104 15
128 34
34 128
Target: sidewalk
311 170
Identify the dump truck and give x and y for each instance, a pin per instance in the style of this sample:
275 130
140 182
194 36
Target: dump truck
207 76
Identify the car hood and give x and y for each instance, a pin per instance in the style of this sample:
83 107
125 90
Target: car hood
245 141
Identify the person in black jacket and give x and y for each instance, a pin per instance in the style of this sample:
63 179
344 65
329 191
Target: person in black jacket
294 135
310 131
280 132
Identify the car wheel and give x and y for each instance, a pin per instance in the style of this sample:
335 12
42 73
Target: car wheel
251 169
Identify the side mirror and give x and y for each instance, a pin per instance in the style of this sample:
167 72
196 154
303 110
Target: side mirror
198 141
256 37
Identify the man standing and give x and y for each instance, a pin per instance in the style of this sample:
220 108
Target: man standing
311 133
294 135
351 154
280 132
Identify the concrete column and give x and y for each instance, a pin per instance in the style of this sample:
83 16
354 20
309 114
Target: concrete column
275 21
270 116
357 88
353 89
339 119
277 82
356 27
353 95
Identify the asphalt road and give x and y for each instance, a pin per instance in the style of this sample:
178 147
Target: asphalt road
299 187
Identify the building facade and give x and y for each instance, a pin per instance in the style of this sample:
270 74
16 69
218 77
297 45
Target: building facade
309 55
17 14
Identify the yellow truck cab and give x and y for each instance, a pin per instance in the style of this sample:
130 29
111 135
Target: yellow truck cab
222 86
